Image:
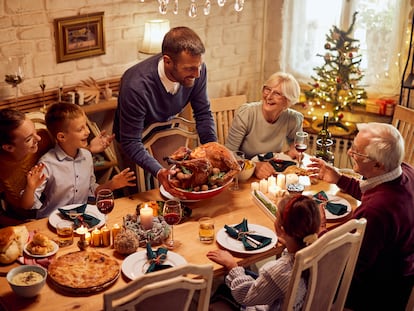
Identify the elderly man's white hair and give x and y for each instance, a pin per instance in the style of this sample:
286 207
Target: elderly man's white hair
386 144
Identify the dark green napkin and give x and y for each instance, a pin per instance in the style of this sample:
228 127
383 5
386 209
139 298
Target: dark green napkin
81 218
241 232
278 164
335 208
156 259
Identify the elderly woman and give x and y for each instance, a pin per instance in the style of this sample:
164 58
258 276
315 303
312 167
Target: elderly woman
266 126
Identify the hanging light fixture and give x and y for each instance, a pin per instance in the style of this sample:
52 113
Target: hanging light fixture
154 31
192 9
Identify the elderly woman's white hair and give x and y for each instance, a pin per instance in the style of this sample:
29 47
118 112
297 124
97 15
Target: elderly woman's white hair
288 85
386 144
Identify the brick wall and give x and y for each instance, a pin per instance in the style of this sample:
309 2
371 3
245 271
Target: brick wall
233 41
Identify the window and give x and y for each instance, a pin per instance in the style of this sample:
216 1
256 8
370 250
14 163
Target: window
381 27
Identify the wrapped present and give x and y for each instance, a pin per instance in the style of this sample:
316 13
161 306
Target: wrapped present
381 106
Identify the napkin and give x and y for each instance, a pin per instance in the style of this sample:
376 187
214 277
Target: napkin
241 232
156 259
335 208
278 164
87 220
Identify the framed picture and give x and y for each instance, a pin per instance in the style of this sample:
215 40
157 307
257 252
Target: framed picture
79 36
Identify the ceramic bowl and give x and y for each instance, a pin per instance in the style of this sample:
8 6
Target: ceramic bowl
27 290
247 171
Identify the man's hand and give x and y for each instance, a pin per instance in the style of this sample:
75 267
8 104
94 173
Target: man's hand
324 171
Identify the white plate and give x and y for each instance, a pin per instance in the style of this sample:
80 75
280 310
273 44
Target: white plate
280 155
54 251
234 245
135 265
335 199
169 196
92 210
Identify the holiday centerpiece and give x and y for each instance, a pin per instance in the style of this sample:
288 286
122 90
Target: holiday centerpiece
336 83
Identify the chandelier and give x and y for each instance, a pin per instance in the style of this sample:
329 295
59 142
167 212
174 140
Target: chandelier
192 10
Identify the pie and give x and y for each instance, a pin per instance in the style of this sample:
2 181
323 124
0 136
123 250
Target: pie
84 271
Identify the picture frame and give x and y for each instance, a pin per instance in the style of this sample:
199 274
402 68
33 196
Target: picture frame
79 36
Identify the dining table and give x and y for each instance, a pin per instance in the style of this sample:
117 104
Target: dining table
228 207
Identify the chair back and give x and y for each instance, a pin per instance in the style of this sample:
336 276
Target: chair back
223 109
161 139
172 289
38 118
403 120
329 264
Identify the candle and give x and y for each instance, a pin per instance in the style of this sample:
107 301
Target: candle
146 216
115 230
291 179
263 185
273 191
281 181
96 237
271 182
88 238
81 231
254 185
106 236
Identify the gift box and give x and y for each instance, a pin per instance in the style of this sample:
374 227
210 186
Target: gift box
381 106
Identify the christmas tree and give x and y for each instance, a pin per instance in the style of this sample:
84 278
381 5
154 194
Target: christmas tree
337 80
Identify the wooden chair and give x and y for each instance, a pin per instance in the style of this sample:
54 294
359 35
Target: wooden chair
161 139
38 119
330 264
223 109
403 120
171 289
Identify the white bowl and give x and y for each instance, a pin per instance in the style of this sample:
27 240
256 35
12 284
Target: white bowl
247 170
27 290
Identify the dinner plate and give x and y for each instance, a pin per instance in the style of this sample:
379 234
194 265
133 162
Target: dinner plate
136 264
234 245
336 199
92 210
54 251
279 155
169 196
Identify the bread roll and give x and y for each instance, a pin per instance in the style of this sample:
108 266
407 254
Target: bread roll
12 241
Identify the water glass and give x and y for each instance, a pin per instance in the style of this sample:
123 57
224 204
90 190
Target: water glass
64 231
206 230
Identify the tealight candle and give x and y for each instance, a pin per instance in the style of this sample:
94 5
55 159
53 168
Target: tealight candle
281 181
96 237
146 216
115 230
106 236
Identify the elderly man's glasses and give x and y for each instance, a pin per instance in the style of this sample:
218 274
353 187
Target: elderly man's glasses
354 153
267 91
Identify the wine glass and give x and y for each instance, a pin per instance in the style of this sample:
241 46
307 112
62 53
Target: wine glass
301 144
14 74
172 214
105 202
239 155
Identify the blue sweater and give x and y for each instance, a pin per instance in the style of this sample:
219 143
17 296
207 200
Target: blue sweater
143 100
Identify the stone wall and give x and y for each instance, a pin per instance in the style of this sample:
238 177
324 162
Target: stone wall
234 42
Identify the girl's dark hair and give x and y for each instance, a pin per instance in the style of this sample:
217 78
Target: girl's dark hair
10 120
299 215
181 39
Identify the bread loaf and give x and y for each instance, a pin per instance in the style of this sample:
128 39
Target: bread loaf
12 241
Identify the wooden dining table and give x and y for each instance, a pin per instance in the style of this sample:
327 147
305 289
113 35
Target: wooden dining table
229 207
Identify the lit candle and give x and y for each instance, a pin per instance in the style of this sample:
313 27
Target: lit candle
263 185
254 185
106 236
291 179
115 230
81 231
88 238
96 237
146 216
271 181
281 181
273 191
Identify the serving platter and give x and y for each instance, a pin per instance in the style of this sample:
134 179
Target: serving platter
237 246
92 210
51 253
137 264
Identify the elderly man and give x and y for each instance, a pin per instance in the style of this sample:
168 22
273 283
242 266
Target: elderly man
384 273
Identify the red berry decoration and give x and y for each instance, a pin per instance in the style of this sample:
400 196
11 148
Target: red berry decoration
339 80
350 55
340 116
327 46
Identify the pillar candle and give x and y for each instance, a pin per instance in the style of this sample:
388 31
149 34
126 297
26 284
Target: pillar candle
106 236
254 186
271 182
281 181
81 231
115 230
291 179
273 191
146 216
263 185
88 238
96 237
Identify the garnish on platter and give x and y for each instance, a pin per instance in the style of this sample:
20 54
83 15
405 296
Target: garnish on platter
265 201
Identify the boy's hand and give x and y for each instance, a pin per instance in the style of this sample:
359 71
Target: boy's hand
101 142
123 179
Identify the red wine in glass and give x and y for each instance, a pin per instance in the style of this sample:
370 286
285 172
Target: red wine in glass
301 144
301 147
105 201
172 216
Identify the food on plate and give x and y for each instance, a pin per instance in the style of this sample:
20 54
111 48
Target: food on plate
27 278
156 235
297 170
12 241
84 270
40 245
206 167
126 242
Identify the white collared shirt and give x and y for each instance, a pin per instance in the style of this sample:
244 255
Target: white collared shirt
170 87
370 183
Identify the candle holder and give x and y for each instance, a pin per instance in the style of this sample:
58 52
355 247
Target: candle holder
83 244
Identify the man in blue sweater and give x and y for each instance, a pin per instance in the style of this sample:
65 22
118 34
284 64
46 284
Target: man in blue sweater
157 89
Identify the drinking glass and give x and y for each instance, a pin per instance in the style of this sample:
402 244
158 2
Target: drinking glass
105 202
172 214
301 144
239 155
14 75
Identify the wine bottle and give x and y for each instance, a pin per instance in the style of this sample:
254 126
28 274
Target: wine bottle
324 142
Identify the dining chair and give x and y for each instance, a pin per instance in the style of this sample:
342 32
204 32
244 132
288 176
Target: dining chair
160 140
328 264
224 109
38 118
173 289
403 120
